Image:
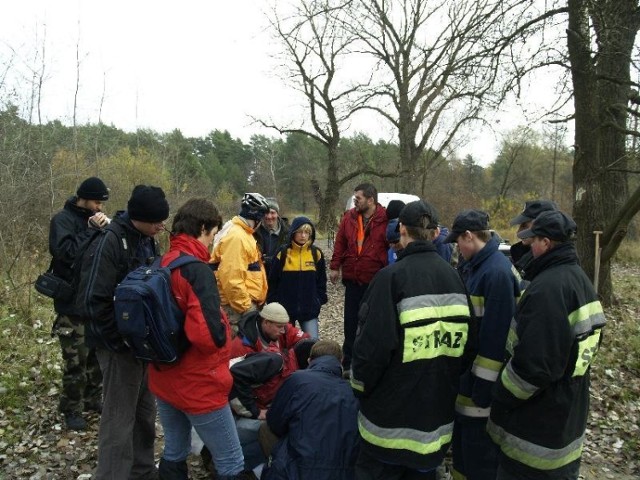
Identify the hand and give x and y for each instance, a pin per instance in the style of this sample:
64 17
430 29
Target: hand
99 220
334 275
262 415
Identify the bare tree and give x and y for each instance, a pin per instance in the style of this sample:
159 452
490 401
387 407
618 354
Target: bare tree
316 47
438 67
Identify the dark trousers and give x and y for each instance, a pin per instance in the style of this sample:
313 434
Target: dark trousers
353 294
127 424
370 468
509 469
474 454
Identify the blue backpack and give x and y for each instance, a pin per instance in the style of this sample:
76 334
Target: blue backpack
147 315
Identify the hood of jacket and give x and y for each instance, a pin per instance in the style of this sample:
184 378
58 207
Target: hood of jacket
297 223
248 325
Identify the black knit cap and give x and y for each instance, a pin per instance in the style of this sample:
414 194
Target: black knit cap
93 189
148 204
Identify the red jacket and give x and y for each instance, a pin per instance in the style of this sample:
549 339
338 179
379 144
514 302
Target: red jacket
250 339
361 268
200 382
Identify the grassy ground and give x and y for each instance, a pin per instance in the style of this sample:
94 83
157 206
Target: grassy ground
34 445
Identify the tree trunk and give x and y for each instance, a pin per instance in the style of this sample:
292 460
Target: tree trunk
601 88
327 203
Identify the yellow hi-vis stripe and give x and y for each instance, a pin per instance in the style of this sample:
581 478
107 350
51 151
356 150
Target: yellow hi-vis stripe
442 311
410 439
535 456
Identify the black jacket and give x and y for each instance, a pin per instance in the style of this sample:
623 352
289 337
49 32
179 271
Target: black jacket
120 249
68 233
416 336
269 242
541 399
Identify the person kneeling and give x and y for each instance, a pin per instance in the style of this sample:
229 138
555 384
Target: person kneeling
315 413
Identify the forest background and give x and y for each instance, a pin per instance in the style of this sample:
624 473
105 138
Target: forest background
435 73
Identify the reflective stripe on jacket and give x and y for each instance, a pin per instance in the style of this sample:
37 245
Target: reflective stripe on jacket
541 400
416 336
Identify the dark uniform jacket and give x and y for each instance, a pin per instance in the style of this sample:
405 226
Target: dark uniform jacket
494 287
120 249
541 401
315 414
68 233
415 338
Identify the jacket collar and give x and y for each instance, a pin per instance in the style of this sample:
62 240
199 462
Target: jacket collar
488 250
563 254
379 215
327 363
238 220
189 245
72 204
417 246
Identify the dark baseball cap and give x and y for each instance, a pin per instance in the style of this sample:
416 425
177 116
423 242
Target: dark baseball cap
554 225
532 209
413 214
472 220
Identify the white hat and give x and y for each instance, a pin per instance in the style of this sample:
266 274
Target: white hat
274 312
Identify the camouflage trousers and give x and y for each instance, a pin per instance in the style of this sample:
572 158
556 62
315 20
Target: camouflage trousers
81 377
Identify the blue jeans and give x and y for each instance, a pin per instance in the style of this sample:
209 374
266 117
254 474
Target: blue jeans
310 327
248 434
216 429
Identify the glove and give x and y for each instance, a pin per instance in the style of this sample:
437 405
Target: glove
481 392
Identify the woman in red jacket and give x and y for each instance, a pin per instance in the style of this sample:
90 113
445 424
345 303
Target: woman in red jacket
194 391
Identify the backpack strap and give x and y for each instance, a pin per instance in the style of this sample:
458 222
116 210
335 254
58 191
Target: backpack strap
315 252
182 260
283 254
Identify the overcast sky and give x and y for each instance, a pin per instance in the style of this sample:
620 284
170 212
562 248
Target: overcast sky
196 65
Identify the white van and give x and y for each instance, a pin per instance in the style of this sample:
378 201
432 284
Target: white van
385 198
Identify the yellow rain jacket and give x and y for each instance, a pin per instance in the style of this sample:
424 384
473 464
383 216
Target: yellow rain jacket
240 272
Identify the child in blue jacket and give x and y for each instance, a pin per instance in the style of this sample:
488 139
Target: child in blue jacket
298 277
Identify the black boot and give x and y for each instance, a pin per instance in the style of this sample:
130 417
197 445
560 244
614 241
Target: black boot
74 421
173 470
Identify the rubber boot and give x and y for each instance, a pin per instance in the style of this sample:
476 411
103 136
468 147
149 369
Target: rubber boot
173 470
